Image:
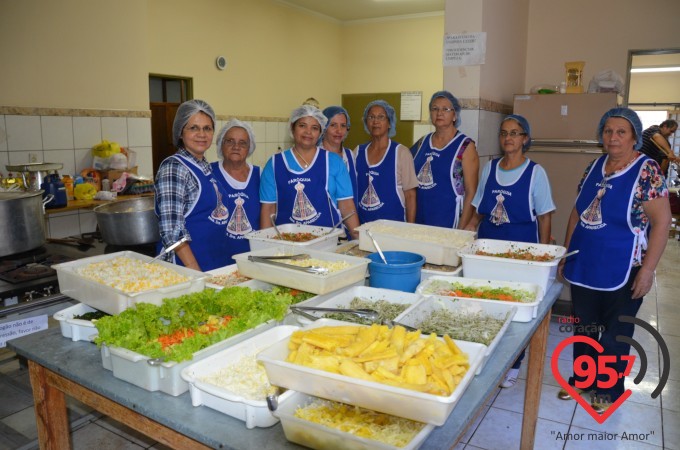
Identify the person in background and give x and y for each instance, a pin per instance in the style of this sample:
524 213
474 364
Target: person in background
513 201
189 201
241 183
655 143
386 178
306 184
447 165
619 225
333 137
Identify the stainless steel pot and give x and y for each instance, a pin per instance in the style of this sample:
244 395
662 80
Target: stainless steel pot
33 174
22 222
128 222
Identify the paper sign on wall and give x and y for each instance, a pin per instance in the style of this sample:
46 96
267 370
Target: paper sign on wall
464 49
21 327
411 105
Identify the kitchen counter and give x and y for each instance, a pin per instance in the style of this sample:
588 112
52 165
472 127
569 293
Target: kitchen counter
74 205
60 366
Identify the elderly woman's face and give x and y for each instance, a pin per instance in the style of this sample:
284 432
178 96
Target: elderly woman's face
197 134
512 136
235 145
306 132
336 132
442 113
377 121
618 135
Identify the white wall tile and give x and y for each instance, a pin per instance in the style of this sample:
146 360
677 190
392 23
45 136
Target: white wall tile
23 133
139 132
259 131
65 157
23 157
489 124
115 129
470 123
271 132
87 131
284 134
3 134
144 161
83 158
61 226
57 132
4 160
88 221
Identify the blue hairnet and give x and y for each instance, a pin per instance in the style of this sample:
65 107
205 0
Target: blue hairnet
306 111
454 101
228 126
625 113
524 124
391 116
331 112
184 113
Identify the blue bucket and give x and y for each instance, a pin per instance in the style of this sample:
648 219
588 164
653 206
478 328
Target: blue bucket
401 273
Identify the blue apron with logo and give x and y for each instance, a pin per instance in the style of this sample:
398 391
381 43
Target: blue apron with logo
377 187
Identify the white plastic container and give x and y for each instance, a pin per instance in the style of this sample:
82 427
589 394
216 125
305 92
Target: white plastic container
526 311
421 310
317 436
507 269
327 240
254 413
230 269
438 245
115 301
166 377
380 397
427 273
76 329
309 282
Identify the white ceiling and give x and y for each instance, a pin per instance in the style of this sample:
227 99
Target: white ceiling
349 10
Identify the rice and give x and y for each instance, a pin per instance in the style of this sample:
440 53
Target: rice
130 275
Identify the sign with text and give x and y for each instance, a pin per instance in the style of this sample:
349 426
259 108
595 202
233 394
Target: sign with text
21 327
411 105
464 49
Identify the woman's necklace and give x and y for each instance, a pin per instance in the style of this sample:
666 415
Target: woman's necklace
619 169
306 164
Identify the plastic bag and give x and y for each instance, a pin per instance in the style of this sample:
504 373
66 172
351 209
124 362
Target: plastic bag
606 81
105 149
84 191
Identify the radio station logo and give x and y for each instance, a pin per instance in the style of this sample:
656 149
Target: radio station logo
585 366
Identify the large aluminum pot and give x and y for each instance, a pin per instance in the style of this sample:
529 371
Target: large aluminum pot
22 222
128 222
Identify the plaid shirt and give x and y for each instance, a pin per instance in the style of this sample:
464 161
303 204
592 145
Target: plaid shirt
176 192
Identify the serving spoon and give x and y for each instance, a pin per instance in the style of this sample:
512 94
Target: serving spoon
272 217
377 247
340 222
573 252
168 249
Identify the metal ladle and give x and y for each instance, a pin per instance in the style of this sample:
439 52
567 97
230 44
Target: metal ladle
377 247
169 249
272 217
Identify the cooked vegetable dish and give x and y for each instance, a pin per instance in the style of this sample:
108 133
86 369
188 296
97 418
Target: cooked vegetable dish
524 255
296 237
457 289
385 309
473 327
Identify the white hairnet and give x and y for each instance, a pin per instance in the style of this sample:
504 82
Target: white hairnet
228 126
391 116
306 111
184 113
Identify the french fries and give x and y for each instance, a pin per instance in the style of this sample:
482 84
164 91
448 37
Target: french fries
391 356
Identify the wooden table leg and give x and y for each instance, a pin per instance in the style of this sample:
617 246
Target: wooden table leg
532 395
50 411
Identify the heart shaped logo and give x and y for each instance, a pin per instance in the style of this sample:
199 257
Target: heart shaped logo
599 418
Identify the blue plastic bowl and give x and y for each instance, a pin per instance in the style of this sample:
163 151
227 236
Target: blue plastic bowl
401 273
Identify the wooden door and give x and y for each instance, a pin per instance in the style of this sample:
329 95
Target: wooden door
162 116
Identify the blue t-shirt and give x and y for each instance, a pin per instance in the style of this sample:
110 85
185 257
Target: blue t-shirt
339 182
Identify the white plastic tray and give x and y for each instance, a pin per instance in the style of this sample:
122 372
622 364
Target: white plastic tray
254 413
115 301
166 376
507 269
421 310
426 274
526 311
309 282
222 271
438 245
76 329
422 407
320 437
327 240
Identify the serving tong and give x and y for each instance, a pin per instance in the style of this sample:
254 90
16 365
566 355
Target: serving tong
272 260
369 314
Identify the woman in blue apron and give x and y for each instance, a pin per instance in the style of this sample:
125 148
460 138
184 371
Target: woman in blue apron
241 182
386 178
189 201
620 227
447 165
513 201
306 184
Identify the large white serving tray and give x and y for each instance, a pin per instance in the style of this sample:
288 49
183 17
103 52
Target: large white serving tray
115 301
507 269
231 268
526 311
166 377
309 282
327 240
416 238
397 401
76 329
317 436
254 413
421 310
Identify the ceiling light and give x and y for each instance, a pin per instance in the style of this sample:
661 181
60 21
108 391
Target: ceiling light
655 69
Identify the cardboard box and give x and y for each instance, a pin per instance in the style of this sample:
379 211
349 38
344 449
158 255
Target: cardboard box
113 175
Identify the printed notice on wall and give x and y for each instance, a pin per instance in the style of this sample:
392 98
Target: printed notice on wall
464 49
21 327
411 105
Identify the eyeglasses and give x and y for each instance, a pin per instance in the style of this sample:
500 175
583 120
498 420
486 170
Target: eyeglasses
196 129
379 118
436 109
236 144
512 134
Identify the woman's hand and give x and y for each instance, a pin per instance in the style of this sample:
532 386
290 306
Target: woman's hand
642 283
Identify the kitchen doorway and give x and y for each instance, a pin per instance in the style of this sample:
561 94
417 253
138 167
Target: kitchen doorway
166 93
